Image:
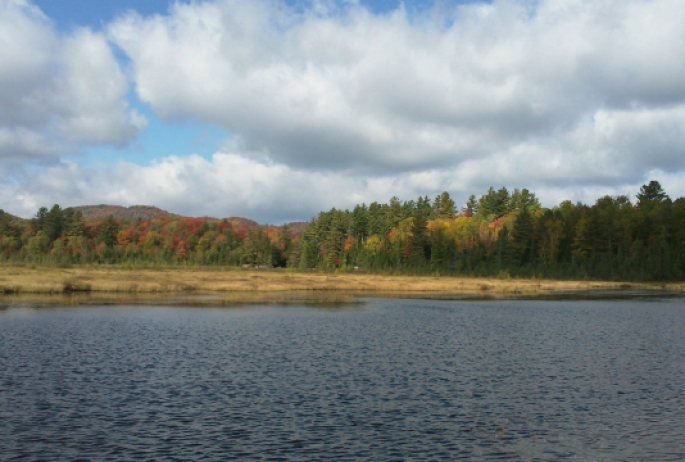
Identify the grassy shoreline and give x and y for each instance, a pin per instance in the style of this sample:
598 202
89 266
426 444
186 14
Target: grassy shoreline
174 280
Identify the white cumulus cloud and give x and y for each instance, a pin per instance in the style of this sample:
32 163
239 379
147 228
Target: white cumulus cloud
58 93
231 184
396 92
333 105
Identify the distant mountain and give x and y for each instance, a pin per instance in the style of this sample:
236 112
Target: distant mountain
144 212
297 227
148 212
239 222
11 217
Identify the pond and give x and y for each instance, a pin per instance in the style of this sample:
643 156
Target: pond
387 379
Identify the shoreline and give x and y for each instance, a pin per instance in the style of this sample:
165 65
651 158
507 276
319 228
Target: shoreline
15 280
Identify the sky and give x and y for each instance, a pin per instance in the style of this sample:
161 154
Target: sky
277 109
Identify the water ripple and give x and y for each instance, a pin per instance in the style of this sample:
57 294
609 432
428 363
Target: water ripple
398 380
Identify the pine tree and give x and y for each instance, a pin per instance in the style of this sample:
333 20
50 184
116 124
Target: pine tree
38 222
334 244
649 193
522 237
416 242
109 232
471 205
54 223
445 206
360 223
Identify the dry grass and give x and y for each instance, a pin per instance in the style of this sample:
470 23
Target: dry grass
47 280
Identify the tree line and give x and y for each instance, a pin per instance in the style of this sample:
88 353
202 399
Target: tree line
499 234
62 236
503 234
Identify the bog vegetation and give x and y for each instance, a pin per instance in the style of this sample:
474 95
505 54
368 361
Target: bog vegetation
500 234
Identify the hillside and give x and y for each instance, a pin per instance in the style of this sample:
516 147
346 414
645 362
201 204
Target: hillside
149 212
10 216
297 227
143 234
144 212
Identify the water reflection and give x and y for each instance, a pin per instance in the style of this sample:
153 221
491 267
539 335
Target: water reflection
328 299
313 300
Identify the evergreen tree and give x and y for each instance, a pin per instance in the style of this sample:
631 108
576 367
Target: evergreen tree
109 232
308 253
522 199
494 204
360 223
75 225
395 214
471 205
503 248
444 206
423 204
285 241
442 250
649 193
502 202
522 235
54 223
417 241
584 243
334 245
38 222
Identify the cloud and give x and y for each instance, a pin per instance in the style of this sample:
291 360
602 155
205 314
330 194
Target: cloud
547 92
329 104
227 185
231 184
57 93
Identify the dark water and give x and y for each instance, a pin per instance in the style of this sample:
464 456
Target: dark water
388 380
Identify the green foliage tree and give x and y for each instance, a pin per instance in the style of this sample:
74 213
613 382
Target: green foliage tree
444 206
494 204
285 245
504 234
38 245
471 205
360 223
109 231
523 199
650 193
54 223
38 222
417 242
522 235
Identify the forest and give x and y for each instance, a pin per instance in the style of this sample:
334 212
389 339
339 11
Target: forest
501 234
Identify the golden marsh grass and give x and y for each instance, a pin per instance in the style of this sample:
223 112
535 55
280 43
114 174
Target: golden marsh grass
115 279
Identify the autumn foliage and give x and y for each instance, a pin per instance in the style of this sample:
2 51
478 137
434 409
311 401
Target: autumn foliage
505 234
66 236
502 234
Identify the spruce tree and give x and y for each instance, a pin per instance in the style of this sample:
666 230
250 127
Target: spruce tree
109 232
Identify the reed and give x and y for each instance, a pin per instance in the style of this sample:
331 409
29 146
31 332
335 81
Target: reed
116 279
